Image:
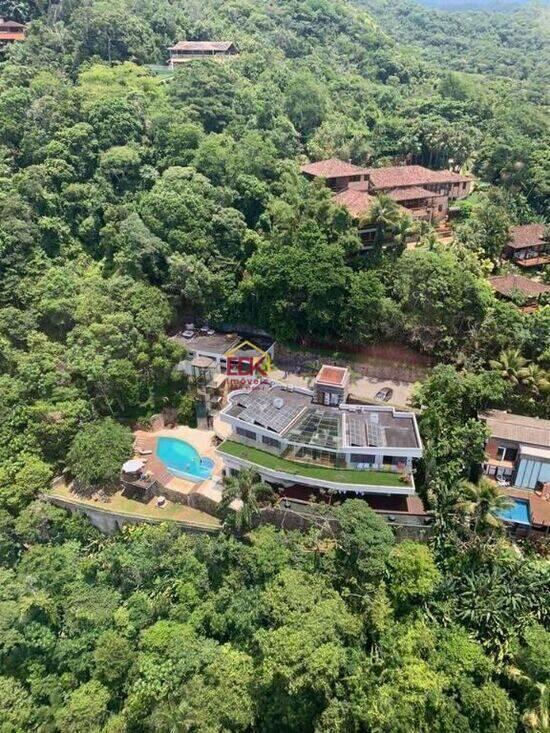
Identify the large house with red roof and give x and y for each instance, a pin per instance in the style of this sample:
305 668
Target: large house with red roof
529 246
424 193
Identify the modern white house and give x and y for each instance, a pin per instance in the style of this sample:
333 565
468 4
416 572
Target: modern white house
297 436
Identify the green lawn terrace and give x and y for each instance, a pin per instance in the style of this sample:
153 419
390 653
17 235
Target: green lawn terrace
273 468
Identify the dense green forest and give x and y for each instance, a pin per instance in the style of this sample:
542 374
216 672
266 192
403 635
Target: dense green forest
128 200
513 43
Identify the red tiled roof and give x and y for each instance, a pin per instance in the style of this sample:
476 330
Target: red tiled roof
202 46
355 201
331 168
507 284
11 36
411 175
333 375
526 235
407 194
10 24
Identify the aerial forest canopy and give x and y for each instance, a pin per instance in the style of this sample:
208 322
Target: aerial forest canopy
130 199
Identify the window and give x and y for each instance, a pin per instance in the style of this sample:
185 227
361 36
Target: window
360 458
505 453
271 441
246 433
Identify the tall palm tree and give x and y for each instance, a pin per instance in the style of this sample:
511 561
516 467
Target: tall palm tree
535 379
384 214
509 365
247 490
404 229
481 502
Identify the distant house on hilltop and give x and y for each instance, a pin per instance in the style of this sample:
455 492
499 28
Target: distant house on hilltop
189 50
528 246
10 32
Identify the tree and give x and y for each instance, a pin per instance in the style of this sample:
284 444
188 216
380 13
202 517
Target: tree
98 452
384 215
85 709
113 657
413 574
364 542
482 502
306 103
241 498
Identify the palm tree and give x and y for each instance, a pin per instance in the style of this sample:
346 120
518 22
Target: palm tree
481 502
241 499
404 229
509 365
535 379
384 214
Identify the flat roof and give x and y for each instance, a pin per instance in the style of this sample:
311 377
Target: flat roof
518 428
294 416
333 376
217 343
202 362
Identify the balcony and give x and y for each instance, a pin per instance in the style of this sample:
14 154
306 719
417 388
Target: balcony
276 467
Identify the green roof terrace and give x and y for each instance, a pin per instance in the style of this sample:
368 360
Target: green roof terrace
297 470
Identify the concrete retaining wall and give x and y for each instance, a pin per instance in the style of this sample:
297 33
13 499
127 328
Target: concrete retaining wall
109 522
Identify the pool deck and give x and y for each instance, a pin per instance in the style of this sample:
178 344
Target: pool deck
201 440
539 506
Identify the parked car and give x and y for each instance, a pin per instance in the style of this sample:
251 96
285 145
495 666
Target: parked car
384 395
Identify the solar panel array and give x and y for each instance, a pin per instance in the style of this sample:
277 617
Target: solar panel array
260 410
356 431
318 428
375 434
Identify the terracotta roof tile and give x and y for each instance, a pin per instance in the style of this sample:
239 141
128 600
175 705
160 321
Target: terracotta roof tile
507 284
518 428
355 201
526 235
414 192
331 168
5 36
411 175
11 25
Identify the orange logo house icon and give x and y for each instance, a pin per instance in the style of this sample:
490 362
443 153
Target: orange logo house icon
247 360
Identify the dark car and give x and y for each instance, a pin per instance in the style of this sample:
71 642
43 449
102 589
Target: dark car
384 395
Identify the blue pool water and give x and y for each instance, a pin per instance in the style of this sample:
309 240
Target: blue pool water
183 460
518 512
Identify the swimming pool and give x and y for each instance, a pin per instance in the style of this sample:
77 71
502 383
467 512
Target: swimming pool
183 460
518 512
